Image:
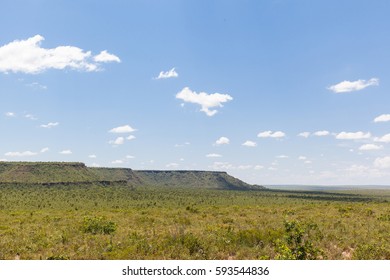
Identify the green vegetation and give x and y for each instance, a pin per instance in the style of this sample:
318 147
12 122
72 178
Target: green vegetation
119 222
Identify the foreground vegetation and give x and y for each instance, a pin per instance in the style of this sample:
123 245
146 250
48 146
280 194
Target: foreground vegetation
119 222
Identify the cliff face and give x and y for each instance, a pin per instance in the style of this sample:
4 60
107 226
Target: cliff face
66 173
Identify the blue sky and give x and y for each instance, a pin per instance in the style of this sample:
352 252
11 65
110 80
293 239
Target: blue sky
273 92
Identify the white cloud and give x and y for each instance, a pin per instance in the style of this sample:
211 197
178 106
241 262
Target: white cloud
218 165
95 164
383 162
353 135
117 141
92 156
49 125
30 117
172 165
20 154
348 86
36 85
44 150
282 156
118 161
370 147
130 157
122 129
304 134
302 158
10 114
258 167
244 167
130 137
384 138
307 161
321 133
383 118
27 56
213 155
270 134
205 100
222 141
168 74
249 144
104 56
66 152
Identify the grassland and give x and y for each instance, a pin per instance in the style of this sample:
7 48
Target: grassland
122 222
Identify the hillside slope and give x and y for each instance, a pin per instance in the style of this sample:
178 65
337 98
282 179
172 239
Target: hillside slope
50 173
44 172
192 179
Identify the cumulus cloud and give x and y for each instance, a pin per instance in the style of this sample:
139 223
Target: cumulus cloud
370 147
353 135
30 117
321 133
44 150
92 156
213 155
122 129
304 134
249 143
130 157
205 100
244 167
383 118
118 161
282 156
383 162
130 137
348 86
167 74
21 154
27 56
66 152
222 141
218 165
104 56
384 138
271 134
50 125
117 141
302 158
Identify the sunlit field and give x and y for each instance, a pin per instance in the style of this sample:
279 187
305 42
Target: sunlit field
122 222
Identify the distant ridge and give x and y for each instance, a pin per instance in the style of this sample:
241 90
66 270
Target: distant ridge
67 173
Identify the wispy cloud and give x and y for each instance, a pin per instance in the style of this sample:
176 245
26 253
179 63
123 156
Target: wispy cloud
167 74
213 155
172 165
10 114
122 129
66 152
271 134
348 86
50 125
353 135
382 162
117 141
44 150
27 56
304 134
21 154
205 100
383 118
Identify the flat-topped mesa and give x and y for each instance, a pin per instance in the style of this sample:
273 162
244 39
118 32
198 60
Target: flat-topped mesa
44 172
68 173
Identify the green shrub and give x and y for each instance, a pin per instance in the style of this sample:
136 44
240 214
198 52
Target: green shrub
98 225
297 243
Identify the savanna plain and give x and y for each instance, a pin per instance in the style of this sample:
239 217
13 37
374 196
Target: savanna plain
127 222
